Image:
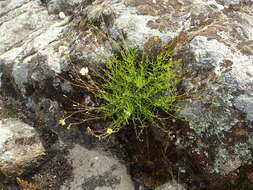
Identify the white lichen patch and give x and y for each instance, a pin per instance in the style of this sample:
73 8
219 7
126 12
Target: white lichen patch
224 35
244 103
219 6
135 25
212 121
227 161
242 70
209 54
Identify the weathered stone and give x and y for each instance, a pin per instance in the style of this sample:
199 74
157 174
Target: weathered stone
208 53
21 148
57 6
94 170
245 104
135 3
171 185
146 10
213 38
30 51
247 47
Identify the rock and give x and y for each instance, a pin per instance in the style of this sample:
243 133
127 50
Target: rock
119 19
213 39
171 185
245 104
57 6
31 51
247 47
214 43
92 169
223 62
208 53
31 33
21 148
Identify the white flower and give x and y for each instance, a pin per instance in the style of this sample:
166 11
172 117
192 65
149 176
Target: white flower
84 71
154 1
62 15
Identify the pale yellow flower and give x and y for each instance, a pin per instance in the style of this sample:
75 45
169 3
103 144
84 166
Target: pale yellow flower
218 74
66 52
89 130
109 131
62 122
99 8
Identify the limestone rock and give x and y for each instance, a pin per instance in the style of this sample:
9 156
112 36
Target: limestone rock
57 6
32 47
92 169
171 185
213 38
20 148
245 104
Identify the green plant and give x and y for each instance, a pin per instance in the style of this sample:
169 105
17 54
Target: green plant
132 89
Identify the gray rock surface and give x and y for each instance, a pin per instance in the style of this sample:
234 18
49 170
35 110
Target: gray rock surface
213 38
21 148
93 170
216 51
29 33
171 185
245 104
32 49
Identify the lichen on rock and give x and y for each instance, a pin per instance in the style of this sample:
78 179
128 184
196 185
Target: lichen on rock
21 148
213 39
